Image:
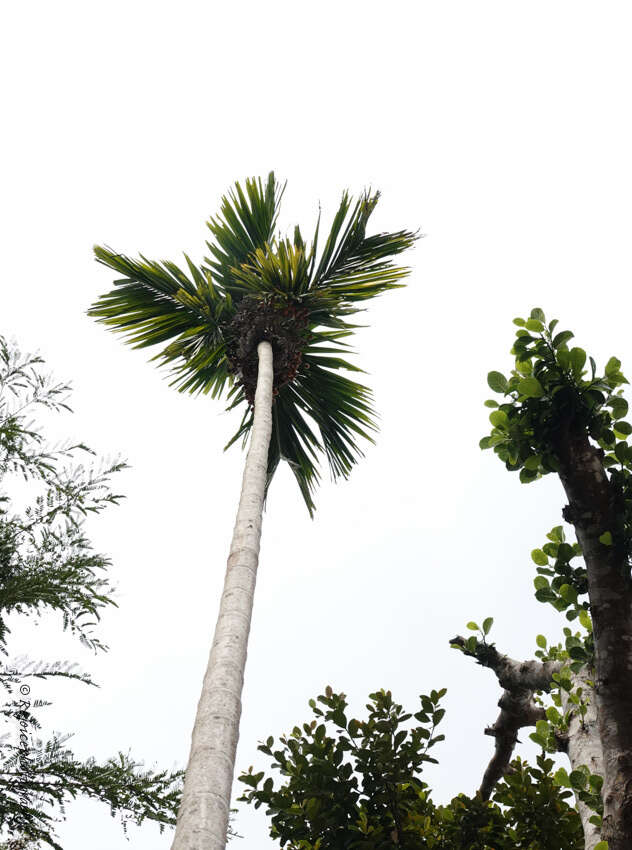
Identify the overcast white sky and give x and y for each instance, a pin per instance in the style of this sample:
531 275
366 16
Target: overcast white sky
503 131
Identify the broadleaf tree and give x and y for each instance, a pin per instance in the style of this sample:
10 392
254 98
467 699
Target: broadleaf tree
49 568
558 415
357 784
265 319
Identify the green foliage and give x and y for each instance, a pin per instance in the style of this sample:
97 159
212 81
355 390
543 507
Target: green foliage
587 787
540 811
558 583
476 647
46 562
549 396
349 783
52 775
47 565
197 315
355 783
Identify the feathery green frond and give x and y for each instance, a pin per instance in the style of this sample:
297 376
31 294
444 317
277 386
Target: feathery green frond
354 267
257 286
245 223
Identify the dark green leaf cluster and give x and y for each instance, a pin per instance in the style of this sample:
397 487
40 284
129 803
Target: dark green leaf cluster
351 783
196 314
586 786
354 785
558 582
540 810
529 811
550 397
47 564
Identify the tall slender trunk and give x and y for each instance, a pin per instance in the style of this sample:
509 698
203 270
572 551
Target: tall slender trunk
593 509
203 815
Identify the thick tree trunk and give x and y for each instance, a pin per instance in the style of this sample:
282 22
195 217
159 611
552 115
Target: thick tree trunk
203 815
584 748
593 510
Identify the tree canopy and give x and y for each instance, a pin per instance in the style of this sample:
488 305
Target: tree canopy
256 284
48 566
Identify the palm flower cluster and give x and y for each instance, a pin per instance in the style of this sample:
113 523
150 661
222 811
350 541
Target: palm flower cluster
258 285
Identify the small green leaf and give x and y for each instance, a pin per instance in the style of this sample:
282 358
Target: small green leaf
622 428
498 418
560 777
538 314
619 407
553 715
584 619
487 624
542 728
497 382
578 359
612 366
606 538
472 626
578 779
490 403
541 641
519 322
562 338
568 593
540 583
533 462
531 388
578 653
595 781
556 534
538 557
601 845
534 325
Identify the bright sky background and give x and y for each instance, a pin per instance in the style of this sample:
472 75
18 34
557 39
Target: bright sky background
502 130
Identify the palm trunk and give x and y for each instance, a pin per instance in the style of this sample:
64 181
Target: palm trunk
203 815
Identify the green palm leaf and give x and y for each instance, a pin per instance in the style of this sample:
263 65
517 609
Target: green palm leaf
245 223
210 320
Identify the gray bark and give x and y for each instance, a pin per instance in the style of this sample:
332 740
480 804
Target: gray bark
203 815
593 509
520 679
584 747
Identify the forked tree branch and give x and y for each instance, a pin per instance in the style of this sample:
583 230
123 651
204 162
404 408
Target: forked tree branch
520 680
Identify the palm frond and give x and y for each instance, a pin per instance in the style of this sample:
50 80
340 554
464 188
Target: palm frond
245 223
354 267
156 302
279 289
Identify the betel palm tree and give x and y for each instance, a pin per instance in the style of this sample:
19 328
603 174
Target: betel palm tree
266 318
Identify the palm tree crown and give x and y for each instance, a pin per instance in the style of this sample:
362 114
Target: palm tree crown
256 285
